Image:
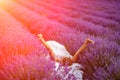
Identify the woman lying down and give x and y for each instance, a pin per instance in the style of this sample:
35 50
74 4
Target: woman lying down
60 55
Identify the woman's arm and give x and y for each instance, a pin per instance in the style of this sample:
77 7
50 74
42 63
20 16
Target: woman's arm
49 48
46 45
82 48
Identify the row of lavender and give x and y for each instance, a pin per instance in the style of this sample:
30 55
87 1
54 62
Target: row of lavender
74 21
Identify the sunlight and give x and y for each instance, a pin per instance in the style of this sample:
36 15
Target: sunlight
2 1
5 3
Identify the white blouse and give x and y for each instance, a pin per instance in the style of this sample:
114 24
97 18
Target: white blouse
60 51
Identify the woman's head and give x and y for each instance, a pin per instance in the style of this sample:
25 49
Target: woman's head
66 61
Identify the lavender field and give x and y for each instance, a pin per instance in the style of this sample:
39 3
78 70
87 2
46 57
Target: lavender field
69 22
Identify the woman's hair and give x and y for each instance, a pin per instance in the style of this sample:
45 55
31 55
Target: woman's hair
66 61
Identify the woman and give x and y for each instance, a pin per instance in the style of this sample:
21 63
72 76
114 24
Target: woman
60 55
